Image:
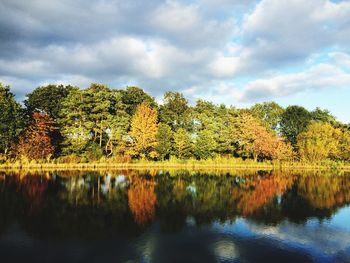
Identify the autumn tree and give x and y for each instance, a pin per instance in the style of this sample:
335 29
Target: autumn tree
283 151
344 146
319 141
182 144
143 132
11 119
252 139
48 100
35 142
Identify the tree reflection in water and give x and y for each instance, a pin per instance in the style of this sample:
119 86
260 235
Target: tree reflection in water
142 199
106 203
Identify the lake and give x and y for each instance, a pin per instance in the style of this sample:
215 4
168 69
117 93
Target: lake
174 216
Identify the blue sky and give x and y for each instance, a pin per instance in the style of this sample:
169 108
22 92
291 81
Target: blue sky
227 51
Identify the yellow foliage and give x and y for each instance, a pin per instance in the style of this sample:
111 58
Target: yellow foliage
320 141
143 133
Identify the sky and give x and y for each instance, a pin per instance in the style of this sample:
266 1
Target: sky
227 51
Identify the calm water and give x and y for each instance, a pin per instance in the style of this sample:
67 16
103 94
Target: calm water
134 216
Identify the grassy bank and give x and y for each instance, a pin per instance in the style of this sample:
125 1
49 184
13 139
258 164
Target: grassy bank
218 163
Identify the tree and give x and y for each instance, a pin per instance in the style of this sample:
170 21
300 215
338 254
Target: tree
143 132
118 127
205 145
183 144
323 116
35 142
142 200
98 106
218 120
252 139
269 113
75 122
283 151
47 99
165 141
175 111
344 151
318 142
133 96
11 119
294 120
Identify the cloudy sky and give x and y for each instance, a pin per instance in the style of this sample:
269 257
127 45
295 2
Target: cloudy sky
228 51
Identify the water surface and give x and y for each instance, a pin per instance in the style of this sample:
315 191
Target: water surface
174 216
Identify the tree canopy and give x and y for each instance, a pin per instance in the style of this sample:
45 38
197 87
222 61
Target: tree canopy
100 122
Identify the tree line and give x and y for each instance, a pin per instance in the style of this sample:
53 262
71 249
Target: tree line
69 123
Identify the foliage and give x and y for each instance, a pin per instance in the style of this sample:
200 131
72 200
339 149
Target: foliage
35 143
183 144
47 99
133 96
319 141
270 113
205 145
74 119
143 132
175 111
11 119
97 123
294 120
165 139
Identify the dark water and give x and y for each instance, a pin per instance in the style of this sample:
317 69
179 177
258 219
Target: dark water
148 216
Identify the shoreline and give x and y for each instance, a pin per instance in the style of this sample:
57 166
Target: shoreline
168 165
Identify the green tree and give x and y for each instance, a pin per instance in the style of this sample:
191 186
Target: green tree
133 96
165 141
205 145
183 144
11 119
294 120
269 113
218 120
47 99
143 132
119 122
75 122
175 111
99 107
323 116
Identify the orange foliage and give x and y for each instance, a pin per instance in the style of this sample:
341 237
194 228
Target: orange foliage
35 142
263 190
33 188
142 200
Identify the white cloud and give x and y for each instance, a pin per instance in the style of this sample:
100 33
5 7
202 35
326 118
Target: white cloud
198 47
320 76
